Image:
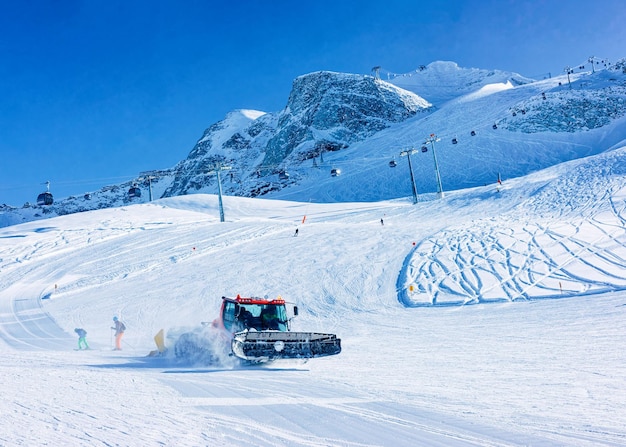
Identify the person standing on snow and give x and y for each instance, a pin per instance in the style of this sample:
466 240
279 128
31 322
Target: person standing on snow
119 332
82 338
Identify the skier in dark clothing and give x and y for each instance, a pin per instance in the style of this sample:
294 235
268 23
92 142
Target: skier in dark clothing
82 338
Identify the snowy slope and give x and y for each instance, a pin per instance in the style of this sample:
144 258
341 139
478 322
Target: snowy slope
521 144
442 81
520 368
537 124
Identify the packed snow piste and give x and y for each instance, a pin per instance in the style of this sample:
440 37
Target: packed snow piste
254 330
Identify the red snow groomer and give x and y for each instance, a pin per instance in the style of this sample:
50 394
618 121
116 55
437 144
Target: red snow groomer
258 330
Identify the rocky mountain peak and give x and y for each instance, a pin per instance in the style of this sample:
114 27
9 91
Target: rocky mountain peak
329 111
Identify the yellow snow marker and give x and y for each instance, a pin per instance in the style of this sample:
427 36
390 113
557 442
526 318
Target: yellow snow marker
159 339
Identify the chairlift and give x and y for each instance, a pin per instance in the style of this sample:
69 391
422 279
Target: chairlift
424 149
283 175
334 172
393 164
495 126
473 133
134 191
454 141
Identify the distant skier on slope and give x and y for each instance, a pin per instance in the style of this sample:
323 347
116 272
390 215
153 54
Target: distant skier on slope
119 333
82 338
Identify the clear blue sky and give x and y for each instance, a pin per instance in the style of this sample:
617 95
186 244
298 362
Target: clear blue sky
93 92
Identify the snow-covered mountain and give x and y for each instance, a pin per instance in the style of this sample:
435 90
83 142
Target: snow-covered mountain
442 81
326 112
539 360
486 124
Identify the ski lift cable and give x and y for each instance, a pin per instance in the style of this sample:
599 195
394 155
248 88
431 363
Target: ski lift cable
282 166
100 180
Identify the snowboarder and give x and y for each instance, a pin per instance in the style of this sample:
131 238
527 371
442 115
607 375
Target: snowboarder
82 338
119 333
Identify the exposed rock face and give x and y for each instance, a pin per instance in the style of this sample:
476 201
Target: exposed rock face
325 112
568 110
237 142
328 111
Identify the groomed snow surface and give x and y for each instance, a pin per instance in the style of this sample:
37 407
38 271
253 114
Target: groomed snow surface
493 317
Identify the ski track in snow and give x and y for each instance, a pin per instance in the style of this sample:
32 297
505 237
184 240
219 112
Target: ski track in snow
536 262
513 257
492 375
